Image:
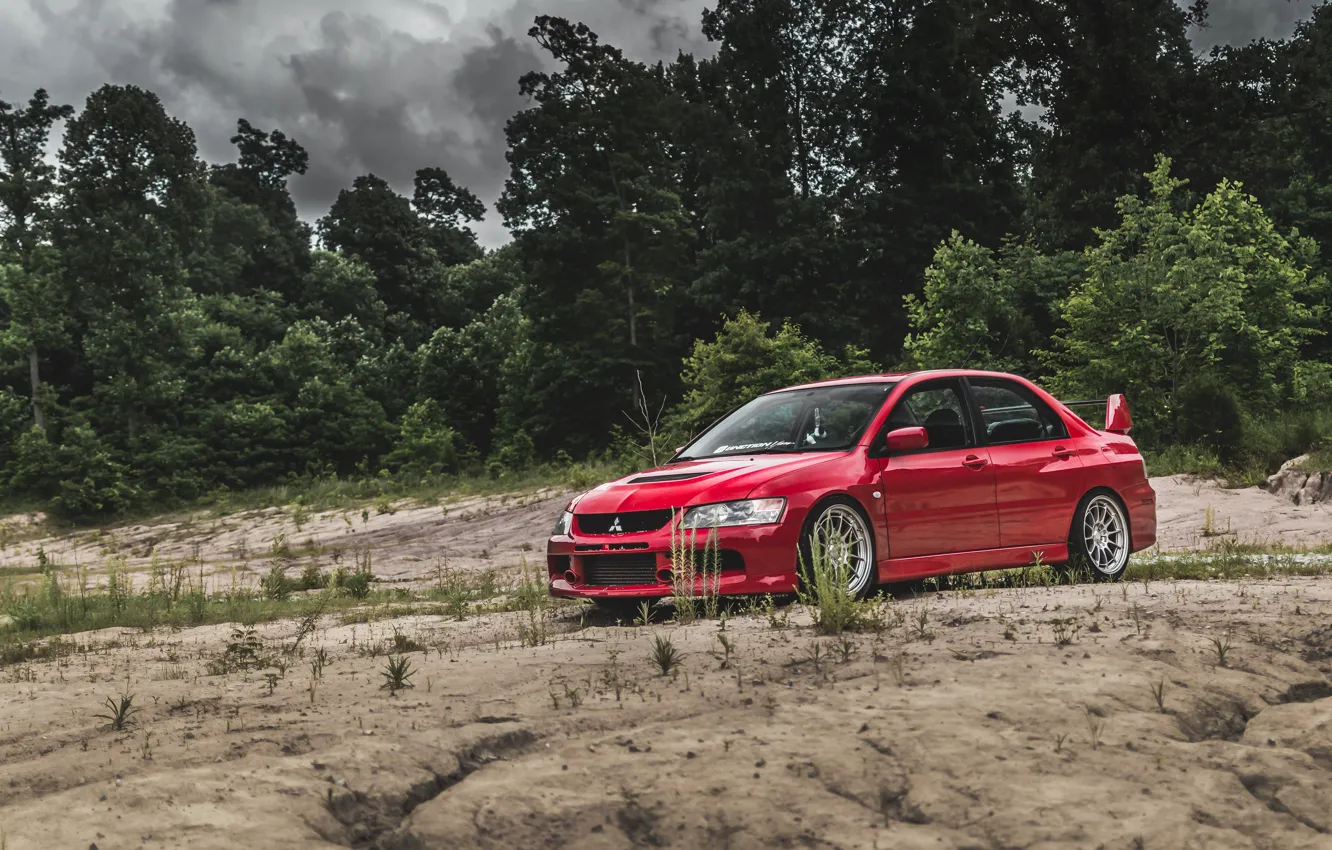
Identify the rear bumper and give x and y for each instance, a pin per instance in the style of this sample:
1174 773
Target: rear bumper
768 553
1140 499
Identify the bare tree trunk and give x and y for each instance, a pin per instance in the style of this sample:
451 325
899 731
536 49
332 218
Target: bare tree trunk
35 376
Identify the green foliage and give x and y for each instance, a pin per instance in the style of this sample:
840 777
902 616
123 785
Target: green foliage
1178 300
980 310
746 359
850 172
425 445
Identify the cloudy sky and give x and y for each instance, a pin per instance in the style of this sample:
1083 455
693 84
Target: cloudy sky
383 86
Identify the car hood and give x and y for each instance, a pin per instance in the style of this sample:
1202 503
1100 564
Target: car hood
715 480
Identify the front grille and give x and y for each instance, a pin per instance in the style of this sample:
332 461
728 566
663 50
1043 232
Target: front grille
628 568
629 522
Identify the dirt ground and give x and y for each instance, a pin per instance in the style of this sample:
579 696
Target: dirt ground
995 719
411 543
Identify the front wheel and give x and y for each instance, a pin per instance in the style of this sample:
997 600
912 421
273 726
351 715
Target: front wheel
838 540
1101 535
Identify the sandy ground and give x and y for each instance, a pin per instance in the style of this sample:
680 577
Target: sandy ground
409 543
963 724
412 543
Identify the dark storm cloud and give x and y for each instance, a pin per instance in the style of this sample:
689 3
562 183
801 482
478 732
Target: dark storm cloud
382 86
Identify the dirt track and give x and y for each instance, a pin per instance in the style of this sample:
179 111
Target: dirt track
413 542
963 725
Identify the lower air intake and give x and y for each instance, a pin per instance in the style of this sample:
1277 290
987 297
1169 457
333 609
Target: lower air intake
620 569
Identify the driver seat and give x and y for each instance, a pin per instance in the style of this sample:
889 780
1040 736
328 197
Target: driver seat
945 430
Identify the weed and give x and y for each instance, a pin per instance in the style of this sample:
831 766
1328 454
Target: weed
816 656
846 648
1066 630
119 713
404 644
824 589
644 613
664 654
778 619
727 650
1095 726
397 674
695 573
271 679
1221 648
535 604
612 676
1158 694
920 625
1059 741
318 663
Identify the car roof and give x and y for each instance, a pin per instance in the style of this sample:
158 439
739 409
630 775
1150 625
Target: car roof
893 377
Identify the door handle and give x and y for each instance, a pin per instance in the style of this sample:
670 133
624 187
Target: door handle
974 462
1063 453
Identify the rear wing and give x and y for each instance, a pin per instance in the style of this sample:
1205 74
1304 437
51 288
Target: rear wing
1117 419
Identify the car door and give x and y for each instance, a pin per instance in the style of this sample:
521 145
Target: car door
940 499
1039 476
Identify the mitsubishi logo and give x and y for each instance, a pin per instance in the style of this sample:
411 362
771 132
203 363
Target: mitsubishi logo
615 527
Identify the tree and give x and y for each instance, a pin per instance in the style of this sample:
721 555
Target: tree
746 360
446 207
377 226
593 199
987 310
277 258
27 190
1116 79
130 211
1175 299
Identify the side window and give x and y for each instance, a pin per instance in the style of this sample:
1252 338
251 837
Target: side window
1010 413
938 407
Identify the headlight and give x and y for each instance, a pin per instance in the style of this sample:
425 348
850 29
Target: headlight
747 512
564 525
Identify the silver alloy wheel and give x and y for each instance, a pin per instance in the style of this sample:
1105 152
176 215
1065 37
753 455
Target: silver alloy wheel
1105 535
841 533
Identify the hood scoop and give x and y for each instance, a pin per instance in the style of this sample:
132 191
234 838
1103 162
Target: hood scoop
678 476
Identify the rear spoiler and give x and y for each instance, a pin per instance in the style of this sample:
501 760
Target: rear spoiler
1117 417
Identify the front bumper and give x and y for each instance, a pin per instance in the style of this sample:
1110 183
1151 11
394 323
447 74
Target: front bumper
755 560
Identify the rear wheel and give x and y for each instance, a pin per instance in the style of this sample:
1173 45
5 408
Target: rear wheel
838 538
1101 535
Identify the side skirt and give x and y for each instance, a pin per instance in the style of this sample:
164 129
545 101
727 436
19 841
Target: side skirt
924 566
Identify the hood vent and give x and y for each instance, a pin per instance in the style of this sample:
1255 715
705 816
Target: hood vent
678 476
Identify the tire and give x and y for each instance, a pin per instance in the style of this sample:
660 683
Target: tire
841 518
1101 535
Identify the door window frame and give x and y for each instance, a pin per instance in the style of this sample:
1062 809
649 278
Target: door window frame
959 385
1021 391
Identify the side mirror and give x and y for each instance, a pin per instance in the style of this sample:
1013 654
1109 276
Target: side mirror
907 439
1117 418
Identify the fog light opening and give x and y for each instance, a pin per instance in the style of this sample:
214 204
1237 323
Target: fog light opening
664 575
571 576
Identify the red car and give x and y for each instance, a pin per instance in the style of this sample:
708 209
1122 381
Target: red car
912 475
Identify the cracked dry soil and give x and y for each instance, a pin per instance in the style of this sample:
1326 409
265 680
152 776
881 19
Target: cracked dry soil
966 727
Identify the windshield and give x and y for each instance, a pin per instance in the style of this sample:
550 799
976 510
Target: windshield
816 419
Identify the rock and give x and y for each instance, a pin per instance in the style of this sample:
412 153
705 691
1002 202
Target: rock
1299 486
1312 490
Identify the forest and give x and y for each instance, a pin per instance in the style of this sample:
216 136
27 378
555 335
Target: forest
1067 190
